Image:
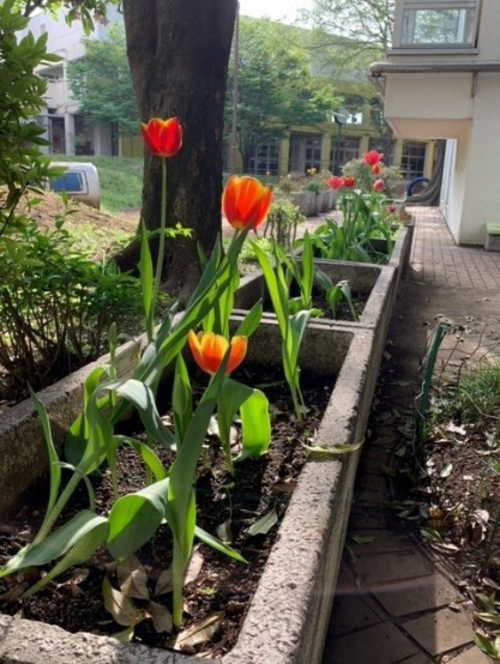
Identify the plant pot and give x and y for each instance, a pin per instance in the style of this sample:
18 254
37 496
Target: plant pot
377 283
289 614
305 201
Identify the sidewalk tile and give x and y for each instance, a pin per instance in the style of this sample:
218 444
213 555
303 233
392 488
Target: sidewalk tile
378 644
408 596
441 631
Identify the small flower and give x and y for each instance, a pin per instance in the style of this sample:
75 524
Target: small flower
335 182
162 137
378 185
376 168
208 350
391 209
373 157
245 202
349 182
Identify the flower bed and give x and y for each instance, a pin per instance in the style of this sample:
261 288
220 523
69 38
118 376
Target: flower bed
285 616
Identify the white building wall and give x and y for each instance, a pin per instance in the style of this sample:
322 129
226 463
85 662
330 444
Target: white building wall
66 41
464 106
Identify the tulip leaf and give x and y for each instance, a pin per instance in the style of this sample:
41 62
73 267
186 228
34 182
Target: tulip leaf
255 425
54 465
135 518
147 282
182 400
148 455
56 544
216 544
84 543
251 321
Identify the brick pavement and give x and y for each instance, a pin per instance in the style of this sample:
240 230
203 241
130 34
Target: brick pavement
395 602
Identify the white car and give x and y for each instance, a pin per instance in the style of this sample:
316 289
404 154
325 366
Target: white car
80 181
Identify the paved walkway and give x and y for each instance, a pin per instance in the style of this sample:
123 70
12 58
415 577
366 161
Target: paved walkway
396 602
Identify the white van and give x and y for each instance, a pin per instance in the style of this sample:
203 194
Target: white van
80 181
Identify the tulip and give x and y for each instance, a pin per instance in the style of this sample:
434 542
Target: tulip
349 182
376 168
335 182
373 157
208 350
162 137
245 202
391 209
378 185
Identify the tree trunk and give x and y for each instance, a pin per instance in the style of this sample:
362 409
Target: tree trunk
178 52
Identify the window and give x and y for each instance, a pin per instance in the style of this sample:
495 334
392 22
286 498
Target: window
342 152
266 159
305 152
72 182
438 23
413 160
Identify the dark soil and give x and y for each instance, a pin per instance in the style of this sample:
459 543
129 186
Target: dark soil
74 600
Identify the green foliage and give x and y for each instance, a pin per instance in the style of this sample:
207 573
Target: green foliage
477 394
282 222
85 10
56 306
22 167
102 84
276 87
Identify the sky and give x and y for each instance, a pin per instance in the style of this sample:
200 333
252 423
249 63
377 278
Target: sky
277 10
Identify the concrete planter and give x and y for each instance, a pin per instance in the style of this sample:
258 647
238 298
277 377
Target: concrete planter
305 201
289 614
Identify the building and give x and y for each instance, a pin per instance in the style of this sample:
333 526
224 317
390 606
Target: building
442 81
65 127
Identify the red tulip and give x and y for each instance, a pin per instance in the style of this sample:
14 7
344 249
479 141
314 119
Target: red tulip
373 157
376 168
245 202
391 209
162 137
349 182
208 350
378 185
335 182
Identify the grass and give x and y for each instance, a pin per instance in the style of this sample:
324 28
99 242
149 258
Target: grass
120 180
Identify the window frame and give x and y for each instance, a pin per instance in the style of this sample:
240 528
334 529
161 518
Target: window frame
404 6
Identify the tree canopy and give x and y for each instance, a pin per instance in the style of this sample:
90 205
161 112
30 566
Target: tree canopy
276 87
102 84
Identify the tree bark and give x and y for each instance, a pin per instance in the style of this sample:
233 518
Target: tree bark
178 53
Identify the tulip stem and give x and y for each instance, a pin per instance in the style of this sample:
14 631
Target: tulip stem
161 245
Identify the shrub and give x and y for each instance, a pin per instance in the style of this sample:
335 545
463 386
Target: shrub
282 222
56 306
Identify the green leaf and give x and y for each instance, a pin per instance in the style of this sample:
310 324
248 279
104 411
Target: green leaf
54 465
84 544
216 544
135 518
56 544
264 524
255 425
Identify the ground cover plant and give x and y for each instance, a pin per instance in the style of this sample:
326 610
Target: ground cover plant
453 477
160 511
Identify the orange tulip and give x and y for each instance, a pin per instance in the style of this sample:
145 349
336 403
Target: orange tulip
245 202
208 350
162 137
376 169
